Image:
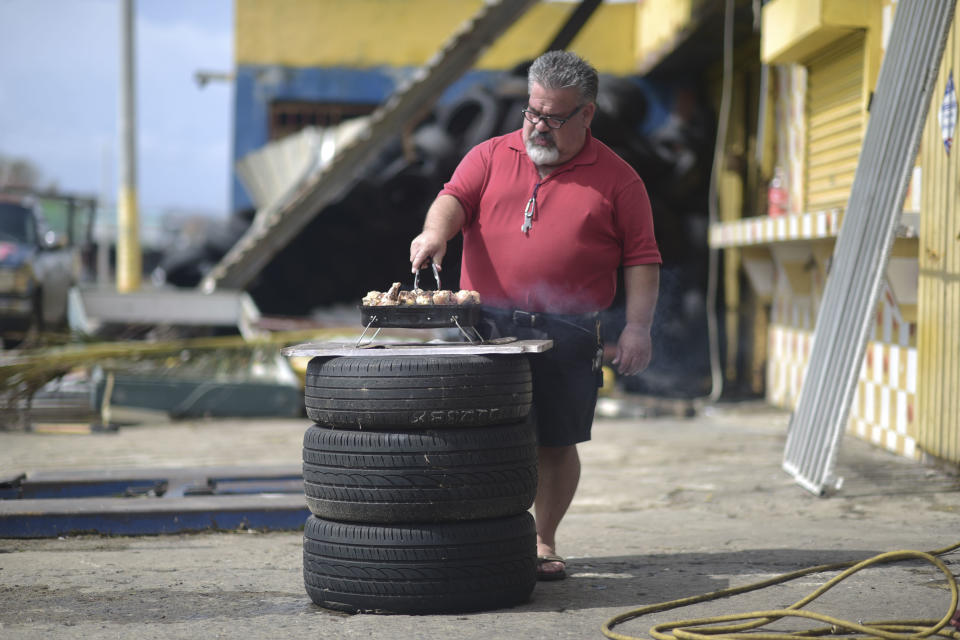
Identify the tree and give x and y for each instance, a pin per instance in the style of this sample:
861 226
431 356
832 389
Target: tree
18 173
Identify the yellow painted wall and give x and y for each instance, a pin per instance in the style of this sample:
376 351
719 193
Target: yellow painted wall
370 33
661 25
938 304
794 29
836 121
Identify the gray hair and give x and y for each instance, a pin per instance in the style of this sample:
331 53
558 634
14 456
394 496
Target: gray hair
563 70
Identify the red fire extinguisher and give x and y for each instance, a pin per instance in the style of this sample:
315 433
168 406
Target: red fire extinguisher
777 194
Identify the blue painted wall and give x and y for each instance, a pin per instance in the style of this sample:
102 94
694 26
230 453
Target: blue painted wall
256 86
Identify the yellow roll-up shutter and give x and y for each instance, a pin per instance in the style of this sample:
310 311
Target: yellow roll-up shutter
836 117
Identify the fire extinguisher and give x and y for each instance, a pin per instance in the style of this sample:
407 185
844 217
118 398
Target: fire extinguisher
777 194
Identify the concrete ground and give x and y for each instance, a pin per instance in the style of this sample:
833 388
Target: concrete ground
668 507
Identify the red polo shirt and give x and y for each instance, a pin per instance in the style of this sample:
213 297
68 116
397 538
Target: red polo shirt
592 215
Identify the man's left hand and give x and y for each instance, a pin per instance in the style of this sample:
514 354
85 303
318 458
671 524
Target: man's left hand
634 349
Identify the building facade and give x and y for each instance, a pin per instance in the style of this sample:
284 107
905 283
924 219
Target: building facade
804 73
823 60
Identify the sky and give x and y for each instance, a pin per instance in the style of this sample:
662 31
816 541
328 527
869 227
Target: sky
59 97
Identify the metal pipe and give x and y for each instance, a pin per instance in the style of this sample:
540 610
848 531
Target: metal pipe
723 121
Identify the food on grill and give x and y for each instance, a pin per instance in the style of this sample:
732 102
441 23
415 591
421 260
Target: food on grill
466 297
418 297
390 297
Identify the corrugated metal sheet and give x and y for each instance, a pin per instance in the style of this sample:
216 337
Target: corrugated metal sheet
938 337
269 173
853 287
835 119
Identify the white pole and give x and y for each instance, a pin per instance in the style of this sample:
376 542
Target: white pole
129 260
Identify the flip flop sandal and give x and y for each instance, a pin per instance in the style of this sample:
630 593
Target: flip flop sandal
546 576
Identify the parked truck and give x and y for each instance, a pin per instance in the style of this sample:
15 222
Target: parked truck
37 269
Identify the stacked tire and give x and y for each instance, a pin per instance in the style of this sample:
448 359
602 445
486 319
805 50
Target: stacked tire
419 472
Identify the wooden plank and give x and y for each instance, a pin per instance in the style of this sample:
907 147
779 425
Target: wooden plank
949 423
938 343
950 417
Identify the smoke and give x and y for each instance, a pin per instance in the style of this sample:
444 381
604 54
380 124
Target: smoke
563 298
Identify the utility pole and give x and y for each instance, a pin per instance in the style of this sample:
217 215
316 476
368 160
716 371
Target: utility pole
129 259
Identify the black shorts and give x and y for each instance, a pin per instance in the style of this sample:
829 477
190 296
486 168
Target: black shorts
565 378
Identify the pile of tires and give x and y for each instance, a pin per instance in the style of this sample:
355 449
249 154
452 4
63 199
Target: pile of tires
419 472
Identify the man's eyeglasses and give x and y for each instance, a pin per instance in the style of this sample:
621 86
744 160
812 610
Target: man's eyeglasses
552 121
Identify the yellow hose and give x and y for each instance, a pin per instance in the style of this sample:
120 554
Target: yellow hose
712 628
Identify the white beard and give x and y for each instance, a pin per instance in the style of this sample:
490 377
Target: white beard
542 155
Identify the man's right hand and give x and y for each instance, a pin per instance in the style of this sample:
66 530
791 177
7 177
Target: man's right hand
429 244
444 219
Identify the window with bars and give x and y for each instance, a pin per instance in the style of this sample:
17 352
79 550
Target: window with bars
289 116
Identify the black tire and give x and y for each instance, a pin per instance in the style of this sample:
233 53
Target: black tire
420 568
424 476
418 392
473 118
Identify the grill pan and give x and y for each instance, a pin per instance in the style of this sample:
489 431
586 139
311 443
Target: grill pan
420 316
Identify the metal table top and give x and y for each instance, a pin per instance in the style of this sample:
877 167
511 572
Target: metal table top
376 349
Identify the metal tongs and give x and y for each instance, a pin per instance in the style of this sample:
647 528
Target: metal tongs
436 276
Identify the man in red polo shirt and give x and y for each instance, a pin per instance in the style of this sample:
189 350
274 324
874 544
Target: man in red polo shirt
548 215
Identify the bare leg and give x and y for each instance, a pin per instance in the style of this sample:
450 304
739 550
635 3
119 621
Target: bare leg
559 474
